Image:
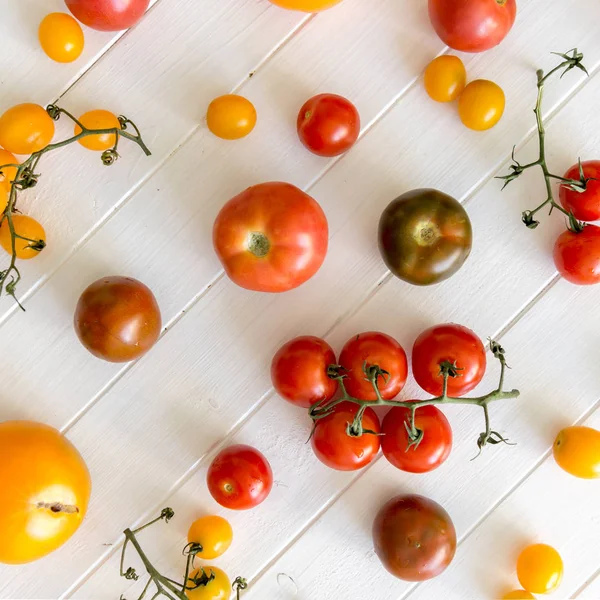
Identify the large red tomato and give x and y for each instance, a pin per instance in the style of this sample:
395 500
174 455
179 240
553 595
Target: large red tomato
108 15
585 206
577 255
271 238
448 343
299 371
472 25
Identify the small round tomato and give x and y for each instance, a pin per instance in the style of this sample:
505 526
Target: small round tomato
335 448
368 350
213 533
445 78
577 255
472 25
7 174
271 238
218 588
98 119
28 228
328 125
414 537
3 201
117 319
425 236
306 5
231 117
108 15
451 343
299 371
539 569
585 205
518 595
61 37
240 477
433 449
25 129
481 104
577 451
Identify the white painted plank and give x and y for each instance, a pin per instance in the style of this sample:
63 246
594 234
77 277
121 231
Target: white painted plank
590 589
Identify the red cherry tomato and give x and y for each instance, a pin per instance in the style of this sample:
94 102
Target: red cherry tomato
472 25
328 125
335 448
585 206
577 255
108 15
239 477
433 449
367 350
455 344
299 371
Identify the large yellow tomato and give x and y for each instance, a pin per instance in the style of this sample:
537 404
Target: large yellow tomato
25 129
577 451
44 490
306 5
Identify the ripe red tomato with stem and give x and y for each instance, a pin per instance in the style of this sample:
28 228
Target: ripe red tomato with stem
577 255
430 452
335 448
584 205
472 25
108 15
299 371
240 477
454 344
371 349
328 125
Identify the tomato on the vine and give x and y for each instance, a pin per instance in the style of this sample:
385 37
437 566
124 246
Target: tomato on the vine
430 452
306 5
26 227
231 117
299 371
328 125
8 174
239 477
61 37
108 15
585 205
451 343
335 448
213 533
577 255
481 104
539 568
577 451
445 78
25 129
218 588
372 349
98 119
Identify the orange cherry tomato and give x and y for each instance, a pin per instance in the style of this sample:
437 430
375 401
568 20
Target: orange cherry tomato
577 451
306 5
28 228
98 119
445 78
481 104
218 588
61 37
539 569
518 595
3 200
44 490
213 533
231 117
8 173
25 129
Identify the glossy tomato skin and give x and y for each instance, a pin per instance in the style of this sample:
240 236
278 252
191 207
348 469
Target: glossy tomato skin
481 105
8 173
108 15
271 238
45 489
431 451
425 236
25 129
577 451
472 25
213 533
117 319
585 206
306 5
299 371
61 37
373 348
328 125
414 537
240 477
453 343
218 588
335 448
231 117
98 119
518 595
577 255
445 78
539 569
28 228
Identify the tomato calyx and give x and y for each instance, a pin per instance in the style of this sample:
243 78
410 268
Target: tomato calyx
258 244
200 579
58 507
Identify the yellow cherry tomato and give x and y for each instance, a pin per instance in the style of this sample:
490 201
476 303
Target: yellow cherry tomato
445 78
481 104
306 5
8 174
231 117
217 589
25 129
518 595
213 533
539 569
577 451
3 200
61 37
98 119
28 228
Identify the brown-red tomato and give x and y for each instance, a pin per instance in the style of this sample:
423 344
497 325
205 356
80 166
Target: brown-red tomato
577 255
585 206
299 371
108 15
328 125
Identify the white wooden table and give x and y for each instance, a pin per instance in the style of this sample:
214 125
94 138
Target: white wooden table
148 430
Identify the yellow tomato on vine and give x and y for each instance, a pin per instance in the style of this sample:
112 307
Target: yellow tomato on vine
98 119
213 533
25 227
306 5
218 588
25 129
8 173
61 37
577 451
